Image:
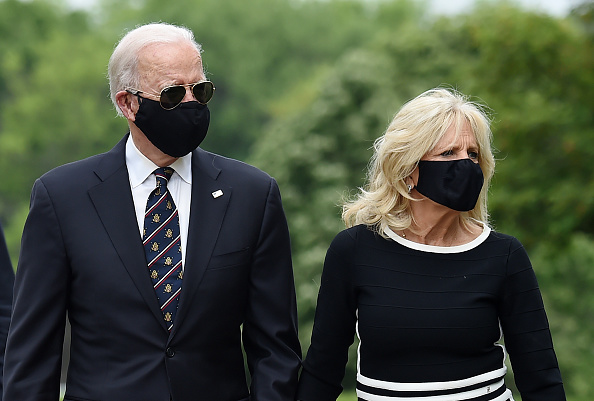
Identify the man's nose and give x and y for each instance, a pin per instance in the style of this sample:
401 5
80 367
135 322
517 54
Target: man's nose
189 94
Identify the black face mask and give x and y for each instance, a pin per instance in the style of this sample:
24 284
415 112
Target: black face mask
175 132
456 184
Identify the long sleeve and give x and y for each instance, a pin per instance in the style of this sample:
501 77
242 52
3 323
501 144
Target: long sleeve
334 326
526 332
270 329
34 347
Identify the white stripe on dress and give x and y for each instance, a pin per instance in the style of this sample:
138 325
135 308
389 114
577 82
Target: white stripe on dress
507 395
432 386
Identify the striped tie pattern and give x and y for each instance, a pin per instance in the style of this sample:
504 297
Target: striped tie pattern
162 245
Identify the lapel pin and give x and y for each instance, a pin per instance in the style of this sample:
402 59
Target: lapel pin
217 193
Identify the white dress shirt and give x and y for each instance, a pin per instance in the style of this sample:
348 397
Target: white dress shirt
143 181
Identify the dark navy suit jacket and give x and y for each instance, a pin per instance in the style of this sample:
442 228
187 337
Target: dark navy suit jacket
82 255
6 283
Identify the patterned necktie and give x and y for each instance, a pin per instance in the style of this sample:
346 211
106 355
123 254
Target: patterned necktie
162 245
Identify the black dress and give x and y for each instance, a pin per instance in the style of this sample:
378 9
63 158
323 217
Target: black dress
430 320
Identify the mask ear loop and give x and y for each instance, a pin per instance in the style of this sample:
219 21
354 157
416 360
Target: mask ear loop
137 94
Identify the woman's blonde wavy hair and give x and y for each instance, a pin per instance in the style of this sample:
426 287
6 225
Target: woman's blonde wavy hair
415 130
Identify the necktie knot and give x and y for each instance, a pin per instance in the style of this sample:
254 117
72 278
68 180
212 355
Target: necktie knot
163 175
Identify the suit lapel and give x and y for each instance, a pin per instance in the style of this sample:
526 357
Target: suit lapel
114 204
210 199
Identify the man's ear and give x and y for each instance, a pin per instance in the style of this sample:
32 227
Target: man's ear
128 104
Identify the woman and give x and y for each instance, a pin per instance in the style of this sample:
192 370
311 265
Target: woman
420 276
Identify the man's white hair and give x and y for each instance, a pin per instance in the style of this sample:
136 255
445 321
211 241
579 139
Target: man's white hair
123 63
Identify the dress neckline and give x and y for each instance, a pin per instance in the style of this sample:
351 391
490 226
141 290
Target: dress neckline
440 249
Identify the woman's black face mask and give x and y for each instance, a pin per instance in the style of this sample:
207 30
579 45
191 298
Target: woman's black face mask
456 184
175 132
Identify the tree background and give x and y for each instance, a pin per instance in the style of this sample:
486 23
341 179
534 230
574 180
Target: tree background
303 89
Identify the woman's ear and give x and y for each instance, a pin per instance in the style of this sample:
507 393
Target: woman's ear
413 178
409 184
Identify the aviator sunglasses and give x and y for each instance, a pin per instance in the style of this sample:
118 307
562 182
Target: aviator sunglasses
171 96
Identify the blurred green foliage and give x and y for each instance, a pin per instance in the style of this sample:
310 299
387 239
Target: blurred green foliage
303 89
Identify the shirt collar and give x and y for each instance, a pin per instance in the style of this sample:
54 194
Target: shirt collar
140 167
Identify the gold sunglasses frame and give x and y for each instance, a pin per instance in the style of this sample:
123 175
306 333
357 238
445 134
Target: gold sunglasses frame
157 97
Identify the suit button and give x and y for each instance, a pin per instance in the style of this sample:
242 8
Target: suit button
170 352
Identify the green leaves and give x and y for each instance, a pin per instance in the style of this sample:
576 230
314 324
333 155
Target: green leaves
57 106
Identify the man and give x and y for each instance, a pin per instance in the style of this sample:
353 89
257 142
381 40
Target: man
6 283
159 307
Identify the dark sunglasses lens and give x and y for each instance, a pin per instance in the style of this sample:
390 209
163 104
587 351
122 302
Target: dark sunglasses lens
172 96
203 91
